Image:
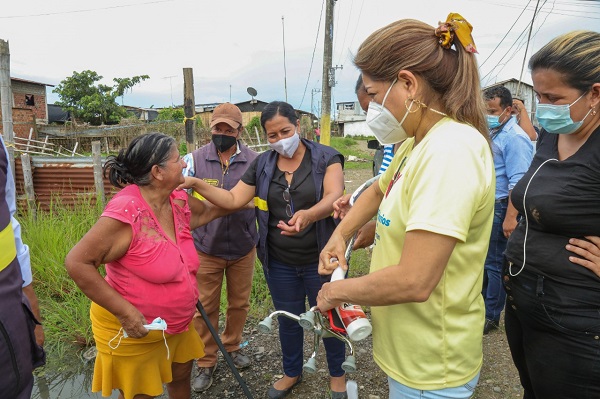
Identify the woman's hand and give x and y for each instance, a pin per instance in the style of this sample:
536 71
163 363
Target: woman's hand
333 254
324 301
133 323
342 206
365 235
589 252
188 183
299 221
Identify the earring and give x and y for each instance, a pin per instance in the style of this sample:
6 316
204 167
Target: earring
409 106
594 112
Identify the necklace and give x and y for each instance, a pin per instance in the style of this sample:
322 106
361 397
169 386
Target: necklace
437 112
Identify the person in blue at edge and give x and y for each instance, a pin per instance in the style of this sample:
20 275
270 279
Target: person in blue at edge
19 351
296 184
513 151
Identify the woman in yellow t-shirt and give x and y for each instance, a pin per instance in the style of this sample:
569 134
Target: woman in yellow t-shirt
434 208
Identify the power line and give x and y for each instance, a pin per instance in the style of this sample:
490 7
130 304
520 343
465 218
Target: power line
554 12
527 46
85 10
500 42
313 54
507 51
521 43
357 22
345 33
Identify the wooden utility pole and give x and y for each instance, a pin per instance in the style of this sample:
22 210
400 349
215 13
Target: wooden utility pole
189 108
327 75
6 103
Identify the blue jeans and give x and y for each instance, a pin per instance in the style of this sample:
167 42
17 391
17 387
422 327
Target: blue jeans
290 286
553 331
400 391
493 291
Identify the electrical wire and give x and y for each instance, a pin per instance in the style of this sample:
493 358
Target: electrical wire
86 10
556 13
506 53
345 33
357 23
500 42
313 54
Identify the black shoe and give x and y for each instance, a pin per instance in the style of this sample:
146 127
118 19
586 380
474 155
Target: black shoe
490 325
274 393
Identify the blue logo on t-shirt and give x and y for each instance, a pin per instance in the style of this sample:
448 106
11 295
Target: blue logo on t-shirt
382 219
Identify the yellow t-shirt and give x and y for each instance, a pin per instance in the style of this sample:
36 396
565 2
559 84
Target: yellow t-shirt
444 185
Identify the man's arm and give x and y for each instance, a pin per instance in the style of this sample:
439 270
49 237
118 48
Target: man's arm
524 120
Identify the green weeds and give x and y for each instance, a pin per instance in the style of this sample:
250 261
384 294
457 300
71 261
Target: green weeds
349 146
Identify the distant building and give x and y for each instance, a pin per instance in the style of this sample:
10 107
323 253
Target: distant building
351 119
143 114
250 109
57 115
29 106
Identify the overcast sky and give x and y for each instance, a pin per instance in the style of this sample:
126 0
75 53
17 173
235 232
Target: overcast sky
232 45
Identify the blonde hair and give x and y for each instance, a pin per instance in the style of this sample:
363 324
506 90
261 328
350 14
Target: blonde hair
575 55
451 75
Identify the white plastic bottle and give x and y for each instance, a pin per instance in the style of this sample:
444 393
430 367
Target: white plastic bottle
353 318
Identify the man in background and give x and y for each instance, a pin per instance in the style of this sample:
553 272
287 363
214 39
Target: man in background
513 152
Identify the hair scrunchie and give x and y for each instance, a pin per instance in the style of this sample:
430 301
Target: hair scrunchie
456 25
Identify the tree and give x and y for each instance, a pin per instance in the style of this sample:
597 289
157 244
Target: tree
91 102
171 114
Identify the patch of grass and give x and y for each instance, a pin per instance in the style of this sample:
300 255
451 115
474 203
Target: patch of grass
350 146
65 309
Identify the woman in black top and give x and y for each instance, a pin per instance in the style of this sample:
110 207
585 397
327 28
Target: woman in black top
294 186
552 275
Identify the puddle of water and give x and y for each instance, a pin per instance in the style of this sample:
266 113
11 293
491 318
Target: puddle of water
71 379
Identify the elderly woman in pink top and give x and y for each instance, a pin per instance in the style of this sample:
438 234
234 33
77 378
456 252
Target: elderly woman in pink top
143 237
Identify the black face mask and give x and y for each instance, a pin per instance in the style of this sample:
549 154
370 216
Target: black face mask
223 142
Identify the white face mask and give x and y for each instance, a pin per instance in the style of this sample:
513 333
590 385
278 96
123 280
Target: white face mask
287 147
383 124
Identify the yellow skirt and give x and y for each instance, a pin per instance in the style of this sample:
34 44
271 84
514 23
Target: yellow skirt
137 365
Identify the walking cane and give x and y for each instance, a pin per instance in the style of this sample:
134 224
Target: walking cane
228 359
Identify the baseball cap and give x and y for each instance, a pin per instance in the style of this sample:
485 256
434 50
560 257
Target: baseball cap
227 113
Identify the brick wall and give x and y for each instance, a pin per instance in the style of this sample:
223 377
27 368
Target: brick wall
25 94
23 121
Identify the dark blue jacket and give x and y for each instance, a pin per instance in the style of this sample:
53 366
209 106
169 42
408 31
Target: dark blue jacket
265 169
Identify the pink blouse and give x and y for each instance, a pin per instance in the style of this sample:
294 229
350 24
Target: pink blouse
157 275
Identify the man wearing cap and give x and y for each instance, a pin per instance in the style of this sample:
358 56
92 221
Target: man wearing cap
226 246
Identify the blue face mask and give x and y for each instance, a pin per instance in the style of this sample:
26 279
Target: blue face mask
557 118
493 121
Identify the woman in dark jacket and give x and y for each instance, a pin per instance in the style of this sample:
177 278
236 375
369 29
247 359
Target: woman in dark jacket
294 186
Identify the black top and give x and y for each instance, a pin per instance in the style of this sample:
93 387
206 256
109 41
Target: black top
562 202
302 248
